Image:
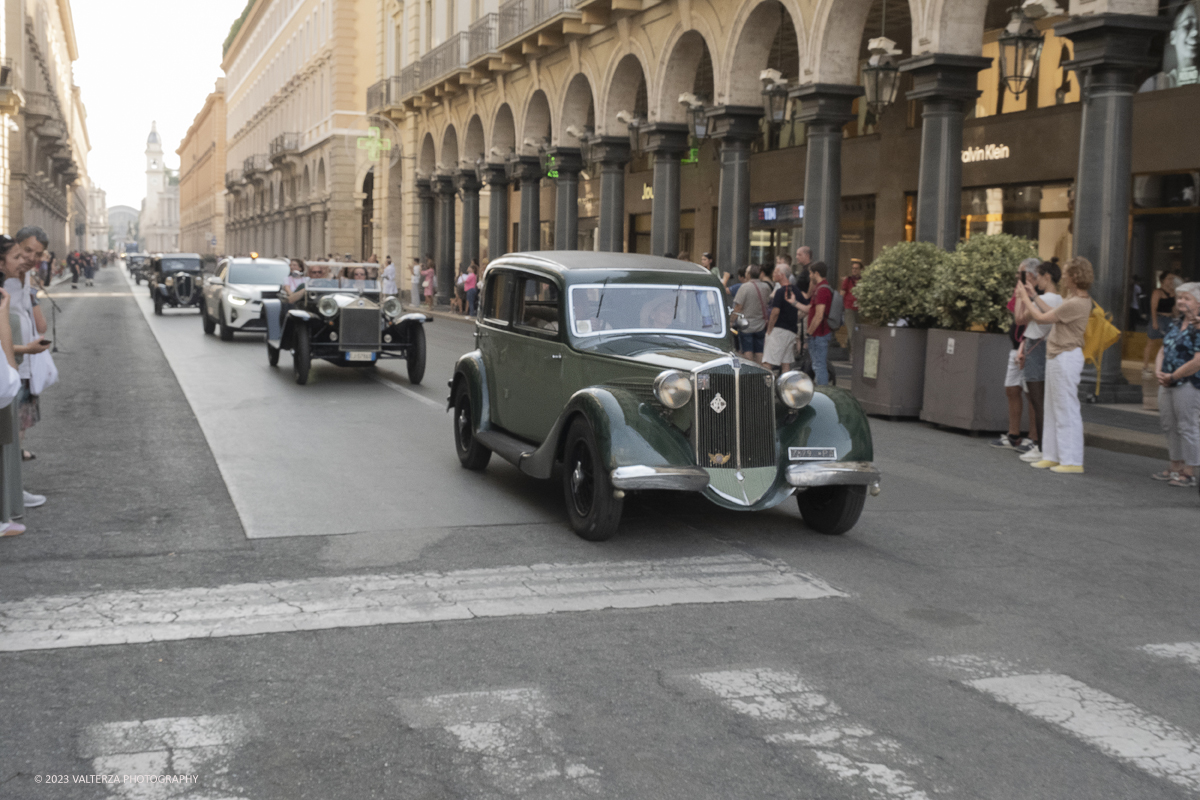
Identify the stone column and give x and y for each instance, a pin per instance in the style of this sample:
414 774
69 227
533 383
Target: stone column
567 163
735 127
497 181
443 187
529 232
318 232
303 240
824 108
612 154
1110 50
289 234
946 83
667 141
425 233
469 186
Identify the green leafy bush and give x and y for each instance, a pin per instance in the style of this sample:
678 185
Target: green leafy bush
899 283
974 286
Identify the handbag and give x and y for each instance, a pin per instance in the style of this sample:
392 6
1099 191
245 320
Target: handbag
42 372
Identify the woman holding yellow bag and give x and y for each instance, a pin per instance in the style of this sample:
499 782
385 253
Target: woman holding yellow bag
1062 431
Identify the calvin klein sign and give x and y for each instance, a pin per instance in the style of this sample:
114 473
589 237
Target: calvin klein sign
989 152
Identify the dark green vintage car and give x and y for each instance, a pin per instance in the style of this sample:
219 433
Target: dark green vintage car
619 372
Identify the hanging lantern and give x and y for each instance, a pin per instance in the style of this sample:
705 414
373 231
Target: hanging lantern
774 95
697 114
881 75
1020 51
510 166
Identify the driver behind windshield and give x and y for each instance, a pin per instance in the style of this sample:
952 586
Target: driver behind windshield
357 278
660 313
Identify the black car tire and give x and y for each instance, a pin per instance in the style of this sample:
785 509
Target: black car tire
226 331
272 355
587 488
301 358
832 510
471 454
158 305
416 355
210 325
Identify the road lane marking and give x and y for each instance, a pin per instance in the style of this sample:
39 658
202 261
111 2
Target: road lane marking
404 390
1188 652
195 751
1113 726
515 751
157 615
795 715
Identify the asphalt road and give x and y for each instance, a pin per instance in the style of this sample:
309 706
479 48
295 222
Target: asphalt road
292 592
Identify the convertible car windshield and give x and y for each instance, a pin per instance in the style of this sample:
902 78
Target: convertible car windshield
268 274
600 309
181 265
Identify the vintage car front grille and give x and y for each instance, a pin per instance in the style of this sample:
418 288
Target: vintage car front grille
737 430
184 287
359 327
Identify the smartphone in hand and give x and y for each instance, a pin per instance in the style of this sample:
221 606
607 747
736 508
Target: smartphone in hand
44 342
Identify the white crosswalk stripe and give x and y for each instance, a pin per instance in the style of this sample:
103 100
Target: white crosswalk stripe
511 745
127 617
794 714
1188 652
1113 726
186 757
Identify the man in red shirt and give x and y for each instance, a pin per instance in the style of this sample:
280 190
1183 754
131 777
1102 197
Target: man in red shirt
850 303
818 329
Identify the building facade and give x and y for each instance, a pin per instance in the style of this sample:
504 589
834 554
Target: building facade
202 178
158 223
43 145
296 75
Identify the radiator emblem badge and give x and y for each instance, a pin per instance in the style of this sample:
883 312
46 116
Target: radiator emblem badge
719 459
718 403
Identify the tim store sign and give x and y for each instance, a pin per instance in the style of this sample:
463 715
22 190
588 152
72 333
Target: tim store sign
989 152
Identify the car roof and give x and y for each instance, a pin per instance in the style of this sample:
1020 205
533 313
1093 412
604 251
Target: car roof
564 261
196 256
249 260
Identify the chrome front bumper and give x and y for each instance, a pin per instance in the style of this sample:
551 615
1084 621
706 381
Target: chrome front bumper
834 473
680 479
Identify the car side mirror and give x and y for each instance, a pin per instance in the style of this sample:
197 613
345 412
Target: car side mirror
213 281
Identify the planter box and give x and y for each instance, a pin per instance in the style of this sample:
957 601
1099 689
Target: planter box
893 360
964 380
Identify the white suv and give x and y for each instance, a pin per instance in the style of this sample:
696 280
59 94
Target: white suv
233 296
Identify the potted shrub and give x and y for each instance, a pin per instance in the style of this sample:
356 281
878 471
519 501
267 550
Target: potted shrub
893 311
967 352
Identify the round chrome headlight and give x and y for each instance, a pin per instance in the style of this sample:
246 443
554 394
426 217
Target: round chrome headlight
795 389
169 281
392 307
673 388
328 306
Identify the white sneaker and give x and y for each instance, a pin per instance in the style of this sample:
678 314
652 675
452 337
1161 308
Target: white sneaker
1032 455
34 500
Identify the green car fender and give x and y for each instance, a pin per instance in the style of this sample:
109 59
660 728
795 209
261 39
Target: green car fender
469 370
833 419
628 430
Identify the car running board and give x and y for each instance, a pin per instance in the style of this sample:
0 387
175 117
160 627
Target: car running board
534 461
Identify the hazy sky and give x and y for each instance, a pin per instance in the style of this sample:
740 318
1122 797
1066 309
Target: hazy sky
144 60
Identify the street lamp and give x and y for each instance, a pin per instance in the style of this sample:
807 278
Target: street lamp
584 137
1021 45
697 114
774 95
635 125
881 75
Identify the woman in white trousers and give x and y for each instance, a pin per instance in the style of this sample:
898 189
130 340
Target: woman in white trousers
1062 430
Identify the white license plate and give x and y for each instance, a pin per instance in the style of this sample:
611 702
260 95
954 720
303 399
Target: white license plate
360 355
812 454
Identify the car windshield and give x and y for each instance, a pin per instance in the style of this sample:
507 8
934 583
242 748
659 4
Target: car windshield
365 278
631 308
270 273
181 264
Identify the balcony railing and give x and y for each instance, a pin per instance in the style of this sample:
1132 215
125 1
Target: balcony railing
285 143
384 94
41 104
256 163
410 79
7 74
233 177
483 33
447 57
519 16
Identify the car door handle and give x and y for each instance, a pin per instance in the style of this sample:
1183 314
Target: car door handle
556 356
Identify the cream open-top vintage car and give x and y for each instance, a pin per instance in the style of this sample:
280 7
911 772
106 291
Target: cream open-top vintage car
346 320
619 371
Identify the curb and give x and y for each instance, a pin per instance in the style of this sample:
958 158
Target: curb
1121 440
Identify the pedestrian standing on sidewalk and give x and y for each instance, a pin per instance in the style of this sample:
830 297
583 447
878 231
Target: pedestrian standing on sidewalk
1015 389
783 325
850 303
818 330
1162 309
1032 357
471 284
75 267
10 387
1177 369
1062 439
414 294
754 301
89 269
429 282
389 277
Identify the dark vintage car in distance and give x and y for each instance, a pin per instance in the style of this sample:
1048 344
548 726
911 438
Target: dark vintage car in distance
175 280
619 372
138 265
346 320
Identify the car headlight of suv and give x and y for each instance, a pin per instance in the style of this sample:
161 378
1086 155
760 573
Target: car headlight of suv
328 306
392 307
169 282
795 389
238 300
673 388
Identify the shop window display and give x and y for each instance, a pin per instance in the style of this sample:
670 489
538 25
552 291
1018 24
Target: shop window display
1181 51
1165 234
